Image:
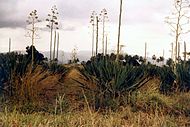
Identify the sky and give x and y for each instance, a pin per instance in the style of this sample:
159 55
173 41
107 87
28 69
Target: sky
142 21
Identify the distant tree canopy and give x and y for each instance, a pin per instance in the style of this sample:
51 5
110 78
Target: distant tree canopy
38 57
124 59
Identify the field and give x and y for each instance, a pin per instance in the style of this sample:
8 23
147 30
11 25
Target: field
172 114
123 118
114 67
63 102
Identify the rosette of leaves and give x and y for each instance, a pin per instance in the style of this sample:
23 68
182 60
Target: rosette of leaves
167 78
113 80
183 76
11 64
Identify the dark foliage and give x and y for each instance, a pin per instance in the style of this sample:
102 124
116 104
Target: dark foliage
183 77
38 57
167 77
11 64
54 67
113 80
15 64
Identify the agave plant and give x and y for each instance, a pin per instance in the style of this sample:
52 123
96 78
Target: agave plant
54 68
167 77
11 64
183 77
113 80
15 64
175 81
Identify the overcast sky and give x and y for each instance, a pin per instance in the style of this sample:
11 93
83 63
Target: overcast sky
142 21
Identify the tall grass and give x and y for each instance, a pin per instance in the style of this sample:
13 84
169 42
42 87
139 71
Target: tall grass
150 109
123 118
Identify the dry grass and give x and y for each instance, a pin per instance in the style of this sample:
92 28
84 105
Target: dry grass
123 118
36 88
157 116
149 108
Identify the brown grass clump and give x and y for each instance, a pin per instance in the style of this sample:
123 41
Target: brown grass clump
152 85
36 88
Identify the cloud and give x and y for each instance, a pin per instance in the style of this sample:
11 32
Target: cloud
13 13
8 10
69 28
73 9
143 21
11 23
7 7
146 12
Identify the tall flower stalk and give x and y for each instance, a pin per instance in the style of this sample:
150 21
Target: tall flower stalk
52 25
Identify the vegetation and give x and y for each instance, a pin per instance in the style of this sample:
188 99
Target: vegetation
18 80
53 25
14 64
92 21
113 81
32 31
107 90
178 21
119 29
151 109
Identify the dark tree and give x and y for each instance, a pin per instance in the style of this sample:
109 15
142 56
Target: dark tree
39 57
